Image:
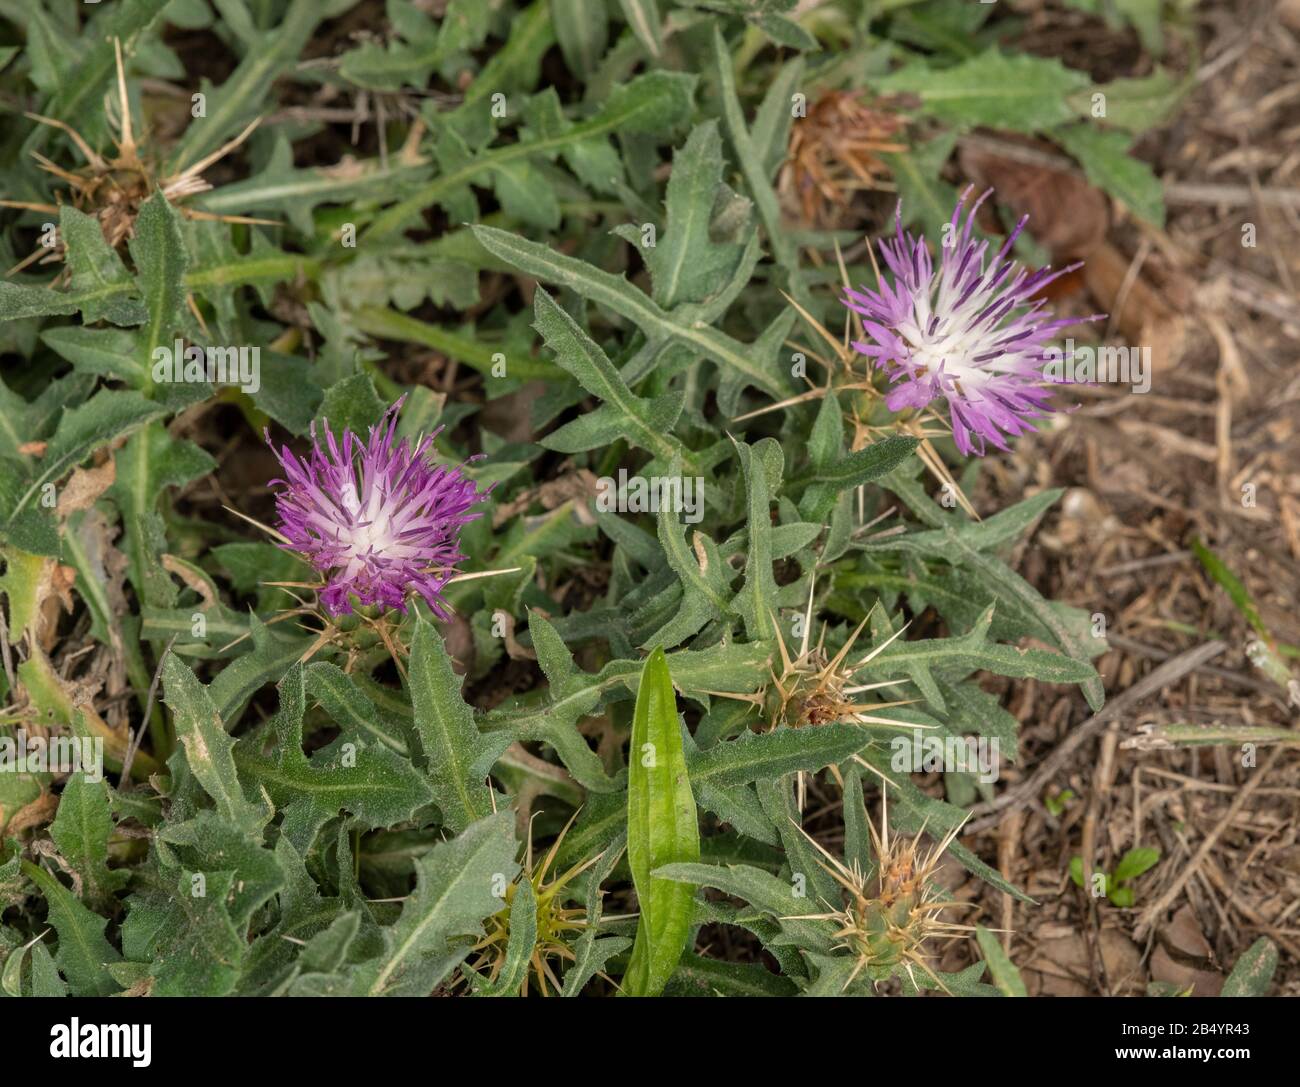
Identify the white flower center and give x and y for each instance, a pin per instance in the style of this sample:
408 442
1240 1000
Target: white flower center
955 343
369 530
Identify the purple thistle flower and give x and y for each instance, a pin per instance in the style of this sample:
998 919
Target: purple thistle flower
974 336
377 520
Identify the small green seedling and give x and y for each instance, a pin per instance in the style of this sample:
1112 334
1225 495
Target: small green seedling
1116 885
1058 803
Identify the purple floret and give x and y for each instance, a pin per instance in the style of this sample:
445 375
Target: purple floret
377 520
976 337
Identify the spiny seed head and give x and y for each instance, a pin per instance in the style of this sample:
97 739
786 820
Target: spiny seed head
558 924
113 189
806 692
891 914
887 917
557 927
817 688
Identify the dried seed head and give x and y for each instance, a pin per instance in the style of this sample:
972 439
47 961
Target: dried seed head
815 688
835 152
890 918
112 190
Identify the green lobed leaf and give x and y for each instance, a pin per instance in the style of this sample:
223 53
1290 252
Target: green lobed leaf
81 830
453 894
458 758
208 749
83 950
1105 158
1020 92
371 781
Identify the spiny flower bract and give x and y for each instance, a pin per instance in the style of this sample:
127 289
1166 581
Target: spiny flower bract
558 925
972 335
376 519
891 915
